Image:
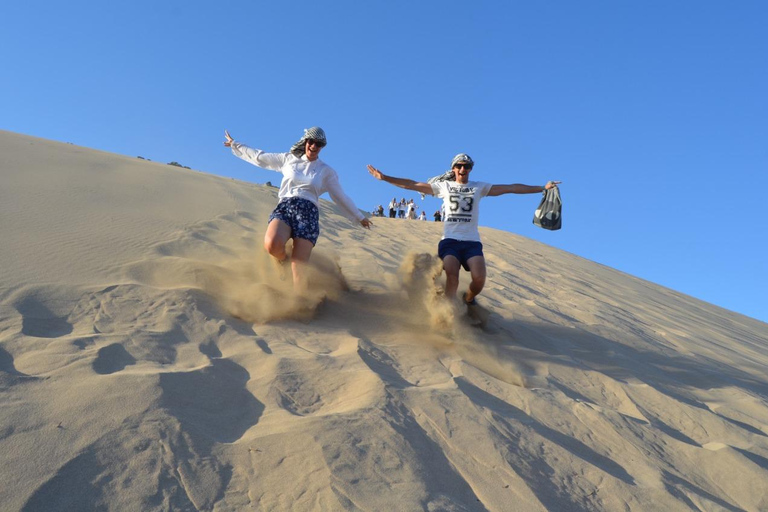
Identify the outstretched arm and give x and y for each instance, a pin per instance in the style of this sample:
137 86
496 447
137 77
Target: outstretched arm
344 202
271 161
497 190
424 188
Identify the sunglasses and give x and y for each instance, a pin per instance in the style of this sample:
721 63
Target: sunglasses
317 143
465 166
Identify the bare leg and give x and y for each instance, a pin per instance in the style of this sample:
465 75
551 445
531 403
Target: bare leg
477 271
278 234
452 268
302 250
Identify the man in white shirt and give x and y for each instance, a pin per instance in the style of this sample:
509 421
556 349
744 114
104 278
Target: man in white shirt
460 245
393 208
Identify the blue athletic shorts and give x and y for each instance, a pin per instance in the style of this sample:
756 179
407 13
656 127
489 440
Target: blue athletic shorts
301 215
460 249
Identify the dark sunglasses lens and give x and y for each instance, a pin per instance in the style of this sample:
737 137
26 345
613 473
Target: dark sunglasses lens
316 143
465 166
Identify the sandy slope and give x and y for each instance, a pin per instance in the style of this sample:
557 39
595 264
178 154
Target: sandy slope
152 359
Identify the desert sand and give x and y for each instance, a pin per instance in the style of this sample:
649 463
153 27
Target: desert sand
151 358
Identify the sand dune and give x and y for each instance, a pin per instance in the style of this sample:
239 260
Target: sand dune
152 358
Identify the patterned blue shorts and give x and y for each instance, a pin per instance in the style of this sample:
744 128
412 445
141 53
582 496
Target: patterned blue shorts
301 215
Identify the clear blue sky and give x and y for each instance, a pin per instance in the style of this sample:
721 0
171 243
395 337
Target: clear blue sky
654 114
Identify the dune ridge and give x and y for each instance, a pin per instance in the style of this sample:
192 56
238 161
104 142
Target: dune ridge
151 358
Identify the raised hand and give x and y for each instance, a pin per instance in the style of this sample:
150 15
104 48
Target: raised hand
229 141
375 172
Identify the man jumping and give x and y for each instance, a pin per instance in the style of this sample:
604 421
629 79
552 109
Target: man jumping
460 245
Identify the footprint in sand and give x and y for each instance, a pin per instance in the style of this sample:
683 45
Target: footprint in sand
6 364
112 358
40 322
302 388
212 401
382 364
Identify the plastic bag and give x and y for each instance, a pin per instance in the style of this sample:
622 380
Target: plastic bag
549 213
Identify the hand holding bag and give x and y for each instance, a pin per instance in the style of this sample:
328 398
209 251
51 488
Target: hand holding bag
549 213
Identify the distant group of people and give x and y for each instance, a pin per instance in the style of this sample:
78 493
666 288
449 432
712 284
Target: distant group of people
407 210
403 209
306 178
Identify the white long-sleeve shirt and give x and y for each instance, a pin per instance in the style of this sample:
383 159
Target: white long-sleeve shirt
301 178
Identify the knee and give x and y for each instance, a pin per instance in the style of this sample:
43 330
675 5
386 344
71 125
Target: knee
479 279
451 276
273 246
478 282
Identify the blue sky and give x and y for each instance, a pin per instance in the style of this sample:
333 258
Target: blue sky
654 114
